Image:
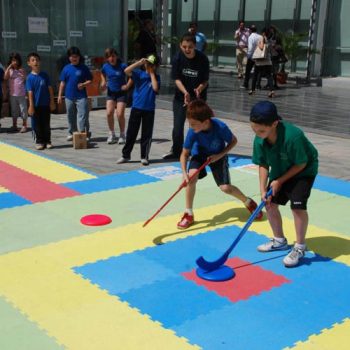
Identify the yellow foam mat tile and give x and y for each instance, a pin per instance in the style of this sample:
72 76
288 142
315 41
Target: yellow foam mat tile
40 282
41 166
3 190
337 337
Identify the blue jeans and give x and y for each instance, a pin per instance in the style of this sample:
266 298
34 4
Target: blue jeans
78 115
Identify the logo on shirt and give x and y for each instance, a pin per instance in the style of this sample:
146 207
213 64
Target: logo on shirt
283 156
42 82
78 73
190 73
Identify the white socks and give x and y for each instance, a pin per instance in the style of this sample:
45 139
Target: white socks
300 246
189 211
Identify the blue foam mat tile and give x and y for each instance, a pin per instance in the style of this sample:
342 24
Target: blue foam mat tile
10 200
174 301
328 184
180 255
110 182
237 161
304 307
125 272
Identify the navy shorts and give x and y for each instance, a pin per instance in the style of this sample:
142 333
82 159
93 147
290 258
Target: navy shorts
295 190
119 96
219 169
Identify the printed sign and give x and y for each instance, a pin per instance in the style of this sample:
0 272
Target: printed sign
59 43
163 173
75 33
43 48
38 25
91 23
9 35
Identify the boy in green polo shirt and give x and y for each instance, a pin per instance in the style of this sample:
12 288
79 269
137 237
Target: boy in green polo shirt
288 164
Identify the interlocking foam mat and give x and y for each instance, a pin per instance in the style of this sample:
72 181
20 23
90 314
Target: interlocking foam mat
64 285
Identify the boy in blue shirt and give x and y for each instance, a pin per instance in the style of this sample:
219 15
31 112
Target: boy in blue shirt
288 163
75 77
41 101
207 137
147 84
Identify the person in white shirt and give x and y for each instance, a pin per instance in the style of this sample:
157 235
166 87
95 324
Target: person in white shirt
253 40
241 36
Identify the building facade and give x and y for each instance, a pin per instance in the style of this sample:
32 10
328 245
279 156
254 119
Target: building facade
49 27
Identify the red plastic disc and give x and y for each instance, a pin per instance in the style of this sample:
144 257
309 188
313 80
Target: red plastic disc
95 220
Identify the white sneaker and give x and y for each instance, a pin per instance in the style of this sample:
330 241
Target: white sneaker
292 259
70 137
144 161
121 140
273 245
123 160
111 139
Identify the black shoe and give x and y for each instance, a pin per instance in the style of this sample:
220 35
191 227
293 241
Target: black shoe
170 155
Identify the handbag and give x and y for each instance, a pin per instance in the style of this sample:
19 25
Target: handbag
260 54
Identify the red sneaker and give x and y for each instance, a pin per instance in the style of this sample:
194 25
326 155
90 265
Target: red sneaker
185 222
252 206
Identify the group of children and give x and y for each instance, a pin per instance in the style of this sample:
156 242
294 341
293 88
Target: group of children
287 161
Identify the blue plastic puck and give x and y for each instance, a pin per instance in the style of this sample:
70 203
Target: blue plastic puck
223 273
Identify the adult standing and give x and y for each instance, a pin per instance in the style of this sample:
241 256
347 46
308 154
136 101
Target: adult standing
190 70
201 39
146 42
241 37
263 67
253 40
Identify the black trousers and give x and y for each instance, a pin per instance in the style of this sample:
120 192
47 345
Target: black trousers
248 69
178 126
262 71
42 125
138 117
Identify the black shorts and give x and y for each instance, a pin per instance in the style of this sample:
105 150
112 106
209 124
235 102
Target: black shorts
297 190
119 96
219 169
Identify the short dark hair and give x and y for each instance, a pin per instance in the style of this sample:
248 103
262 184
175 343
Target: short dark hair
193 24
188 37
73 50
253 28
15 56
33 54
110 51
199 110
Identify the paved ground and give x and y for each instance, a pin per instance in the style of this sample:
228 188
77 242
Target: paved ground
64 285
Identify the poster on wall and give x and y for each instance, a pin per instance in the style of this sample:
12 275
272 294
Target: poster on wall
38 25
59 43
9 35
91 23
75 33
43 48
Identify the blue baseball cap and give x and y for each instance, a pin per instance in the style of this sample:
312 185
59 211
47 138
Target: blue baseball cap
264 112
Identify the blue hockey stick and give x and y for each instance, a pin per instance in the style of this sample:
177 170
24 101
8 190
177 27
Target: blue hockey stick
214 265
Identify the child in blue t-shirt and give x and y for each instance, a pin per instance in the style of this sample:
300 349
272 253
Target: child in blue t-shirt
147 84
114 79
75 77
207 137
41 101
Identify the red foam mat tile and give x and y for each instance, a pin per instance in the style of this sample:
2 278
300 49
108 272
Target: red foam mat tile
31 187
249 280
